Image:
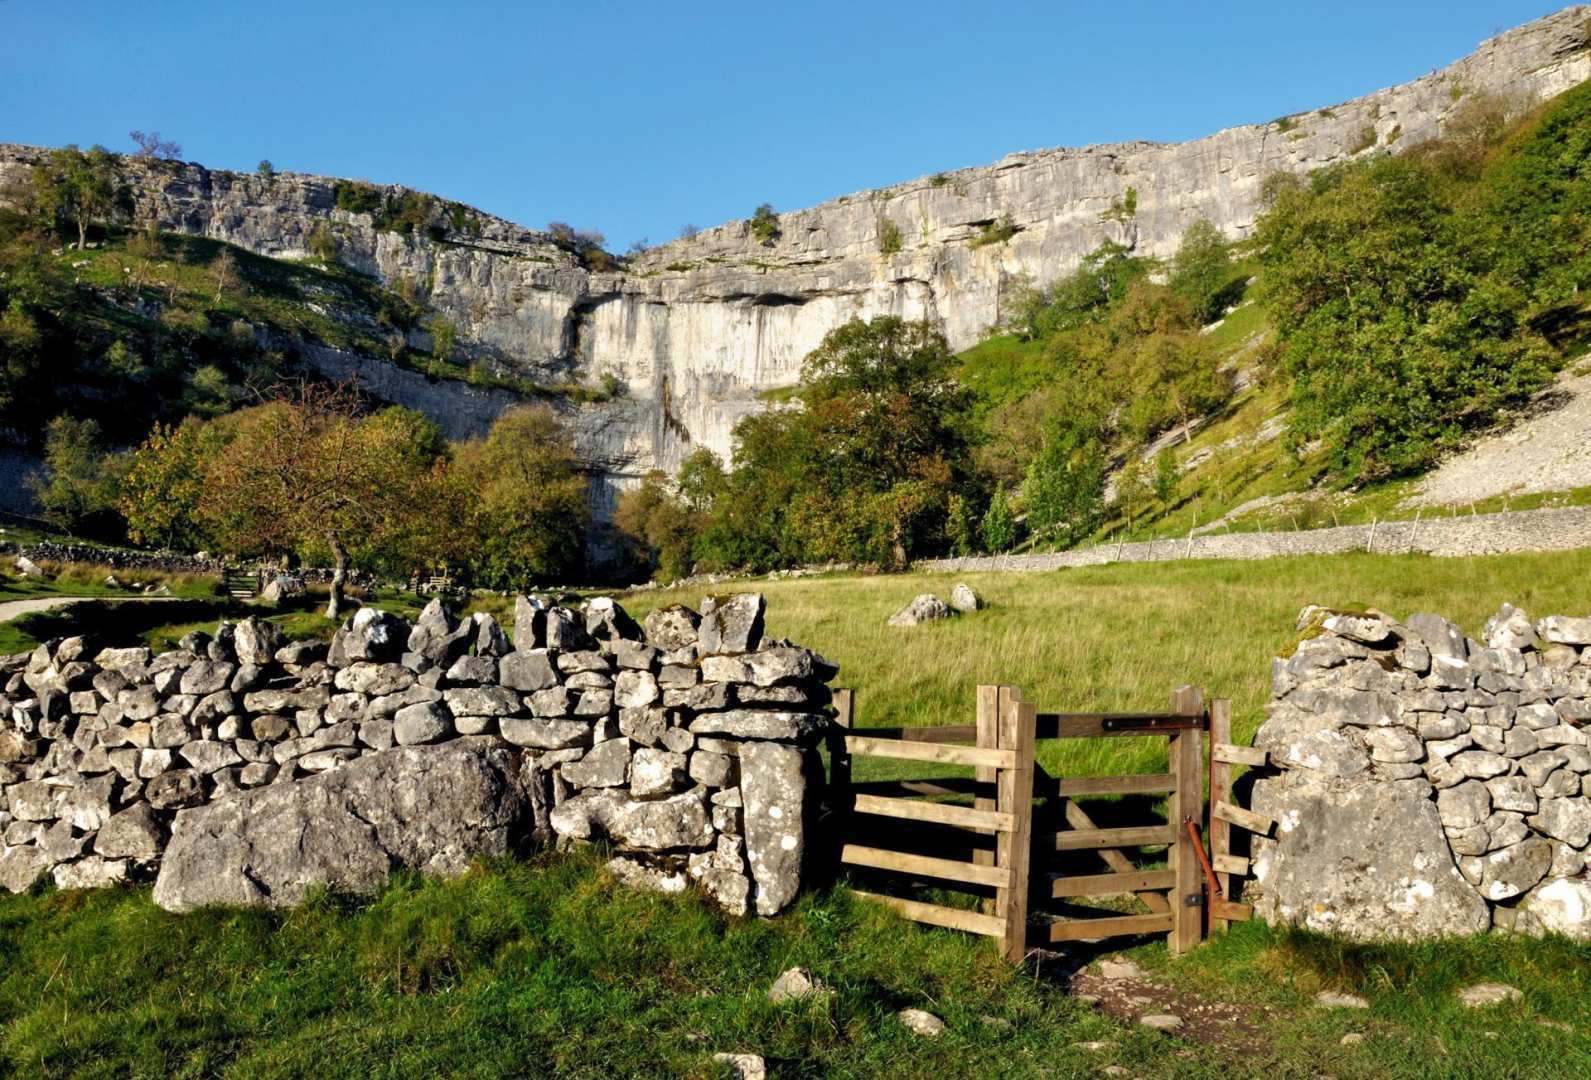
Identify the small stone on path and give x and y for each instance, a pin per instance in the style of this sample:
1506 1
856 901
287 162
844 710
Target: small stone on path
1120 969
1161 1021
1095 1045
1336 999
923 1023
1483 994
1353 1038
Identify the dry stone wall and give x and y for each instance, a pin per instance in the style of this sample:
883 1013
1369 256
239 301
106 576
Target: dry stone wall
242 769
1427 783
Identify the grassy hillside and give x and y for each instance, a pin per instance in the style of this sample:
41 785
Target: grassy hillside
547 968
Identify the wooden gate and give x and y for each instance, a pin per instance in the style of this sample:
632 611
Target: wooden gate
241 584
1021 840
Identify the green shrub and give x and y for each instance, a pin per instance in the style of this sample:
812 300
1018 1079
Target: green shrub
356 197
997 231
889 237
765 225
323 242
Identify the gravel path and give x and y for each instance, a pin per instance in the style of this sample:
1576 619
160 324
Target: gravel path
10 609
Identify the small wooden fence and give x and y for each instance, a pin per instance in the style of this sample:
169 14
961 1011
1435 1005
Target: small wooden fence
1019 842
241 584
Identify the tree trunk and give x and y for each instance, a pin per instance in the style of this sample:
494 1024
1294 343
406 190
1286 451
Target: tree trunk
339 576
82 234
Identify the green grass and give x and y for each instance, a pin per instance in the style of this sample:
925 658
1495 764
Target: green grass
1120 637
547 967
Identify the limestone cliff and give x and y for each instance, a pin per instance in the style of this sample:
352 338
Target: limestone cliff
696 329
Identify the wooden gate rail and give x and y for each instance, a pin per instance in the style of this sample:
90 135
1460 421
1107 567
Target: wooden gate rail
1003 759
1003 788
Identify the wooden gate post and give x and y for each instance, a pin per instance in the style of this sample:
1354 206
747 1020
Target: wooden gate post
1220 790
1186 803
840 794
1013 849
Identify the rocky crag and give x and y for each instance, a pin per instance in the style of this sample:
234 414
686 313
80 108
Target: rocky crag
240 769
1427 783
696 330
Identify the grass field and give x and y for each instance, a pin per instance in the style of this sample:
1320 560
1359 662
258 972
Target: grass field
546 967
1121 637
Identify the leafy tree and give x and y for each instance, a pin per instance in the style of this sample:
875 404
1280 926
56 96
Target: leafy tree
1201 271
524 501
323 242
661 526
78 188
999 526
159 496
1065 489
78 486
151 145
443 336
227 273
1132 490
309 474
265 170
1167 478
765 225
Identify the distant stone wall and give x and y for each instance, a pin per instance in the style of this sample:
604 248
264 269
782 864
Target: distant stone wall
241 769
1558 529
1426 783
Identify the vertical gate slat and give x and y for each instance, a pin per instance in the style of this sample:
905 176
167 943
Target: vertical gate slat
1220 791
1186 803
1015 797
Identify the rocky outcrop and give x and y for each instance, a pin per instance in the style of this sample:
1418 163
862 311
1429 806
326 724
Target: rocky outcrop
274 768
1426 783
697 329
431 809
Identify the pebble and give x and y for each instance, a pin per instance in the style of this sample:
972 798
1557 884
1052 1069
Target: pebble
1336 999
923 1023
1120 969
1353 1038
744 1066
796 984
1483 994
1161 1021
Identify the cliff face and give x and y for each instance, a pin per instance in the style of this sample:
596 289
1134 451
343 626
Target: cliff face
696 329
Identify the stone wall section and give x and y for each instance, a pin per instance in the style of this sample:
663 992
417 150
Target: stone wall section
1427 783
687 744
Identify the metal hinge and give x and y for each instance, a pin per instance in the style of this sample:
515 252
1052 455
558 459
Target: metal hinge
1193 900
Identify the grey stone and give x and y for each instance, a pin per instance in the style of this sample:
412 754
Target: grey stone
1365 861
207 677
1479 763
207 756
758 724
677 823
554 701
21 866
711 769
1464 806
1566 819
656 772
1510 628
926 1024
425 722
672 628
796 984
644 726
527 671
605 765
924 608
473 670
1563 630
1512 793
1514 869
730 624
376 679
1483 995
481 701
1562 905
964 599
773 785
544 734
431 809
635 690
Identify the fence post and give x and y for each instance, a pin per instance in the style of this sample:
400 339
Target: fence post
841 797
1186 803
1015 797
1220 791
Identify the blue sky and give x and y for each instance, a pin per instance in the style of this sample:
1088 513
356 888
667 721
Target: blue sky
635 118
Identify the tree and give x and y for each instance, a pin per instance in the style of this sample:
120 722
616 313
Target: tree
1065 490
323 242
660 525
77 188
443 336
309 473
160 492
688 231
78 485
765 225
1167 477
151 145
524 501
1132 490
265 170
227 273
999 524
1201 271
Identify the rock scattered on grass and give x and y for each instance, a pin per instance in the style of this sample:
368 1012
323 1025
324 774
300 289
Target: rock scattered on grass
1482 995
964 600
921 1021
1161 1021
1353 1038
796 984
925 607
744 1066
1336 999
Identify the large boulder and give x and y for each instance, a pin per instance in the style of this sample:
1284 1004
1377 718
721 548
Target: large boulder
1367 861
431 808
925 607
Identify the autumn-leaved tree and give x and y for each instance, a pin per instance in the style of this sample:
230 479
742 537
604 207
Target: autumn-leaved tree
311 474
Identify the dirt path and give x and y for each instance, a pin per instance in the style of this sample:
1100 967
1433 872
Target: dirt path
10 609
